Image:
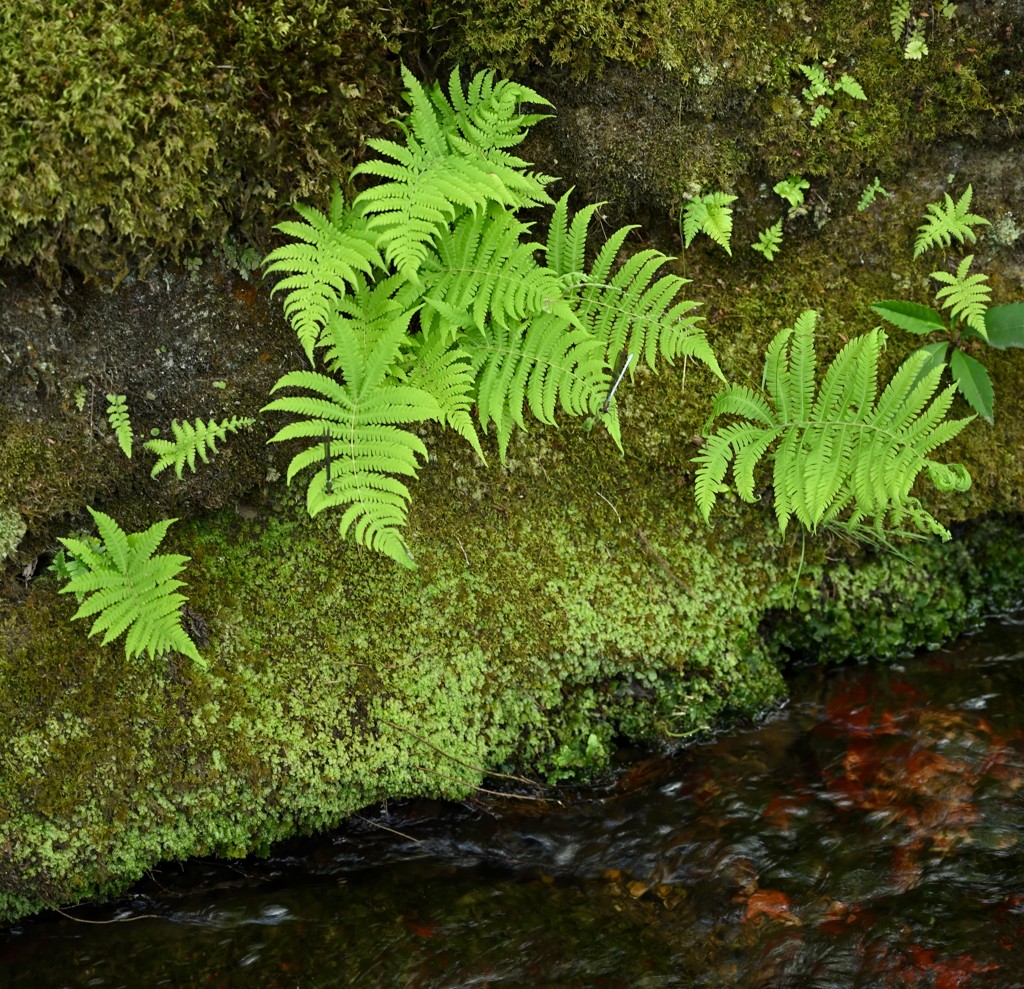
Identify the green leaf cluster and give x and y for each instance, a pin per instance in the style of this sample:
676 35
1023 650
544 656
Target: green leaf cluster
972 323
820 89
426 297
191 440
842 456
710 214
129 587
948 221
769 241
120 422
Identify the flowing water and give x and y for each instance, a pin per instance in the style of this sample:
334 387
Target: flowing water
867 835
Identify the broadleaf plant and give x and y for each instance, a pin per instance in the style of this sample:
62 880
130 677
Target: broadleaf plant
842 456
425 297
972 324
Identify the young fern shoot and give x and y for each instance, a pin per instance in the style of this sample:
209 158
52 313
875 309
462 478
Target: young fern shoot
120 422
191 440
948 221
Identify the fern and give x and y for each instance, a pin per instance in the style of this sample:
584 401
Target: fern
944 222
456 306
436 175
357 446
485 272
542 369
843 456
190 440
792 189
847 84
899 14
120 422
129 587
709 214
967 297
817 82
867 197
769 241
916 48
331 255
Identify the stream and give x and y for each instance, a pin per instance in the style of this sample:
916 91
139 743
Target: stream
866 835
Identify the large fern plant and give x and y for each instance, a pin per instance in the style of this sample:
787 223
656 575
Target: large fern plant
425 298
842 456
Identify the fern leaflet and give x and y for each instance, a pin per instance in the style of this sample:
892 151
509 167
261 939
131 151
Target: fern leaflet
632 310
769 241
944 222
190 440
358 420
899 14
709 214
329 257
967 297
484 272
545 364
120 422
842 458
432 179
130 588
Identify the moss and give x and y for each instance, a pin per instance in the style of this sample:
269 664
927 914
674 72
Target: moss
561 603
135 132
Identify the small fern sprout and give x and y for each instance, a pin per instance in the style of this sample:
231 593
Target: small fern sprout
709 214
792 190
967 297
120 421
769 241
946 222
129 587
190 440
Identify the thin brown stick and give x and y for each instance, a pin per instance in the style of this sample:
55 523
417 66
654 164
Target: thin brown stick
466 765
384 827
482 789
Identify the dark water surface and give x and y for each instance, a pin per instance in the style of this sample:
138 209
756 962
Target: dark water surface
869 835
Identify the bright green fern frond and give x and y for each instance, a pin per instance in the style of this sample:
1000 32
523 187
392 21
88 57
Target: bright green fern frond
641 314
357 442
709 214
839 458
327 258
546 364
567 244
632 311
447 374
486 270
190 440
120 422
131 588
769 241
899 14
967 297
487 115
944 222
361 319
